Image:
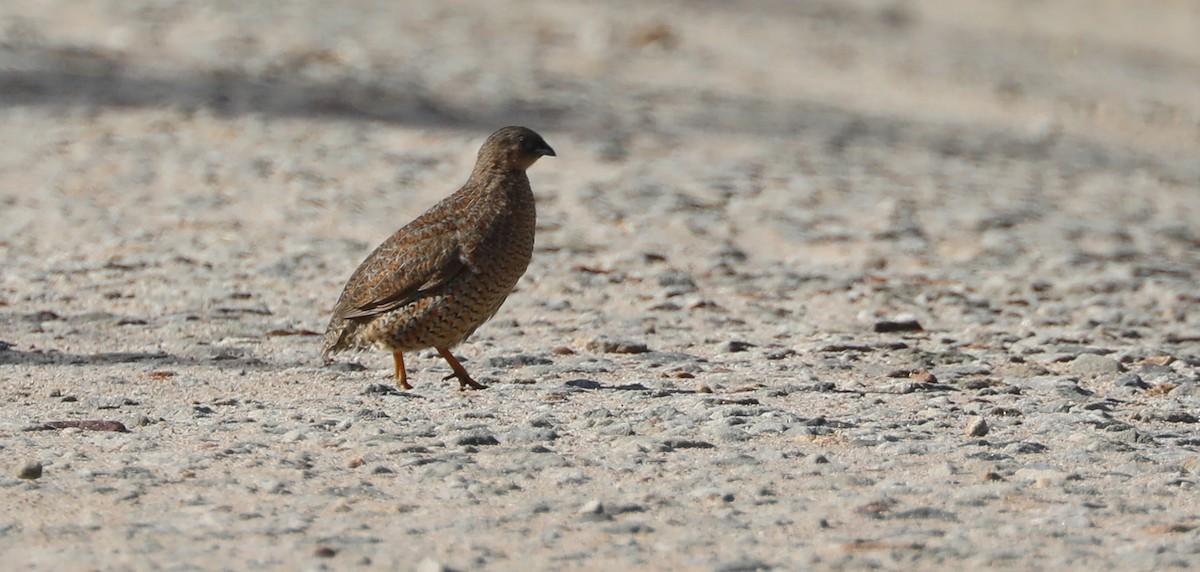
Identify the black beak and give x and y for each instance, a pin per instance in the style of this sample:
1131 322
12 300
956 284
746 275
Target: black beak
545 152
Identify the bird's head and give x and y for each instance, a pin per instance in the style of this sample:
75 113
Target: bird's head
514 148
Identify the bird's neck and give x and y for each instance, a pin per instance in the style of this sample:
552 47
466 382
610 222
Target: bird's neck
501 174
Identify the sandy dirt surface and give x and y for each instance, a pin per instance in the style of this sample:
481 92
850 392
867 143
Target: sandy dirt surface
690 376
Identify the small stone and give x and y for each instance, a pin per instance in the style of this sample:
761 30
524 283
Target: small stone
479 439
889 326
628 527
677 283
201 410
380 389
1025 448
922 376
584 384
30 471
428 564
673 444
1131 380
1168 528
925 512
324 552
518 360
591 507
530 435
1161 389
603 344
293 436
1158 360
780 354
567 475
736 346
713 494
1171 416
75 426
1092 364
976 427
744 566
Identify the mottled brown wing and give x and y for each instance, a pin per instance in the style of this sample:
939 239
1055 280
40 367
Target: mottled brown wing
413 262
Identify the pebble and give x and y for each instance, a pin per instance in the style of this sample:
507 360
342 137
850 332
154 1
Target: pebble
604 344
530 435
517 360
141 421
1131 380
673 444
629 527
743 566
428 564
30 471
976 427
735 346
1093 365
567 476
676 283
477 439
591 507
1025 448
891 326
1166 416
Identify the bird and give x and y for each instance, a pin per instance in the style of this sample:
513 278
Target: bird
441 276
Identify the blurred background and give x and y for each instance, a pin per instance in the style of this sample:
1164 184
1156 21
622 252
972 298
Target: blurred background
1102 69
842 136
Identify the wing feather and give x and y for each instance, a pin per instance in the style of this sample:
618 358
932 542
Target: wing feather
415 261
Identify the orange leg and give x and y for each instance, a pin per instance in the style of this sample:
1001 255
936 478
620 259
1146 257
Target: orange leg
464 378
401 374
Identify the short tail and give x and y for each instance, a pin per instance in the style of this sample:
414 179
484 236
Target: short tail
333 339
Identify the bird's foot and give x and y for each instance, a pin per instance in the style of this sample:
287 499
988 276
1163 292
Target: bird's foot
401 373
464 382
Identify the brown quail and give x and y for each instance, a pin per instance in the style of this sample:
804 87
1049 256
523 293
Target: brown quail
435 281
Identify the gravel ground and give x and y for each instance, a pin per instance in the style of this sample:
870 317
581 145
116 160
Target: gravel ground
898 285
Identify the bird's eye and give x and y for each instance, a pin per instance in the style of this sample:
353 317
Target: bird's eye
521 139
